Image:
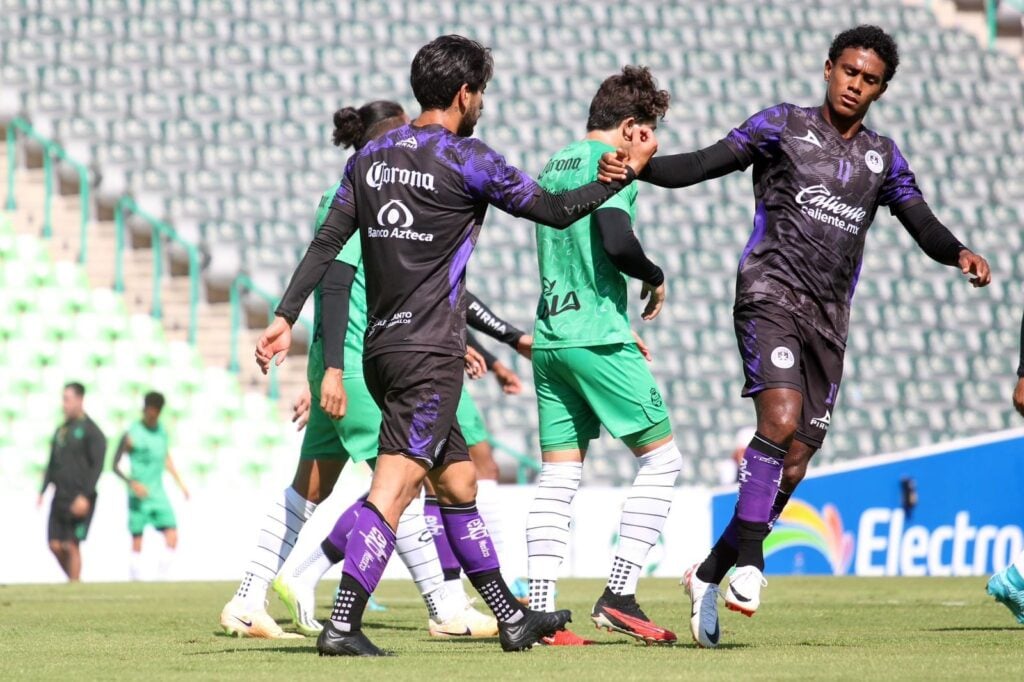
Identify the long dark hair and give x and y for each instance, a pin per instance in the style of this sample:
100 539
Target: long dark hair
355 127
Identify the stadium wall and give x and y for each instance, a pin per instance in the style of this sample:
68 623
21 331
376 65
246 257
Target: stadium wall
218 529
862 518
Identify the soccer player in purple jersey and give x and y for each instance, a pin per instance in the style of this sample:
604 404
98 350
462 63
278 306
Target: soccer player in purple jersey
819 177
418 195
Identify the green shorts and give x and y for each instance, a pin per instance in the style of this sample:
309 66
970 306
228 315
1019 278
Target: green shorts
354 436
154 510
474 430
579 389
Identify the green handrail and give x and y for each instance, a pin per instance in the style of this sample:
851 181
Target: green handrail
160 230
50 150
243 281
524 462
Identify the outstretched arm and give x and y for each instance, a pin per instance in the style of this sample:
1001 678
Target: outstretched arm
940 244
483 319
683 170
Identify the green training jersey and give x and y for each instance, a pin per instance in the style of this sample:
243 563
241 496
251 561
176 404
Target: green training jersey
148 456
352 254
583 296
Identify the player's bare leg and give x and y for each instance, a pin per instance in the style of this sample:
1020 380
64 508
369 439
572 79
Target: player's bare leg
74 559
61 555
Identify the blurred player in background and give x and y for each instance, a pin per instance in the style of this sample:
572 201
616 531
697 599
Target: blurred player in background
350 433
588 370
1007 586
418 196
819 177
77 450
147 445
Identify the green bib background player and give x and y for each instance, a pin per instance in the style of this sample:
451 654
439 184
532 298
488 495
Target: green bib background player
588 369
147 446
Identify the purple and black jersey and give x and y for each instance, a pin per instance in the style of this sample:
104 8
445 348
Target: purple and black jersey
816 195
419 196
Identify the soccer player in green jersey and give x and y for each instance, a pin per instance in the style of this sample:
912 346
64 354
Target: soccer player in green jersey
146 444
589 371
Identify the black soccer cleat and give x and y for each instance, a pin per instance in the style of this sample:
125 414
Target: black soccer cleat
529 629
334 642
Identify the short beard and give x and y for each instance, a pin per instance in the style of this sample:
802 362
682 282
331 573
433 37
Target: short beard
468 124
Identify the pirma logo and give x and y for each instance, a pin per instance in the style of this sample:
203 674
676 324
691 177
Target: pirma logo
394 214
801 525
823 422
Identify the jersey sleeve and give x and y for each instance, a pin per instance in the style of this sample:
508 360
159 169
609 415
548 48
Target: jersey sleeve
758 137
489 177
624 200
899 191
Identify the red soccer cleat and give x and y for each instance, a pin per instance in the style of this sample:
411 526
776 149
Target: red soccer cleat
565 638
621 613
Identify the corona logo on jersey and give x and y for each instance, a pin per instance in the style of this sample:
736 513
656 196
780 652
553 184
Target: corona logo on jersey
801 525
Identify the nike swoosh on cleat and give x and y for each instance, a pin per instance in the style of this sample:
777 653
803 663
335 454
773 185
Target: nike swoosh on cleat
713 637
738 596
247 624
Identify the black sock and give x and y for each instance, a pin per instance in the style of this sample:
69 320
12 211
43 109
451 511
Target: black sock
722 557
332 552
781 500
499 598
349 605
452 573
750 537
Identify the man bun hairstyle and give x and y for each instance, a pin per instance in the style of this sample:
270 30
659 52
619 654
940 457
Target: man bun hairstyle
355 127
631 93
869 38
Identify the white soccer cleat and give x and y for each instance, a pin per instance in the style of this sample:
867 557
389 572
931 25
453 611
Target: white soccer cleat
744 591
238 621
301 604
467 623
703 609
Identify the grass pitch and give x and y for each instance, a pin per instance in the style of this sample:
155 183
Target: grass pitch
808 628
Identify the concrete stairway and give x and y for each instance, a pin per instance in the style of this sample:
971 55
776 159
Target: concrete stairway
213 335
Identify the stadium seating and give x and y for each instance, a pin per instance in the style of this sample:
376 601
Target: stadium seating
220 113
56 329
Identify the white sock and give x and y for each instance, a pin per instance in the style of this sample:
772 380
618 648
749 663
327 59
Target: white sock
1019 563
310 570
415 546
542 595
166 561
443 605
135 566
286 516
644 513
489 506
456 590
547 529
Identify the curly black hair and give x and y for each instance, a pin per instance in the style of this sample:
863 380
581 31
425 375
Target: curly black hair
869 38
633 92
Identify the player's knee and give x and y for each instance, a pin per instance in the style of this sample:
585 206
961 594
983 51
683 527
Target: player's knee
779 425
56 546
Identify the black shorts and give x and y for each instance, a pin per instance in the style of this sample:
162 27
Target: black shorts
64 527
418 394
779 350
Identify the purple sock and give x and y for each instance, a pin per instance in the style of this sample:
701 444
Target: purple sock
369 547
334 544
432 515
760 473
472 544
